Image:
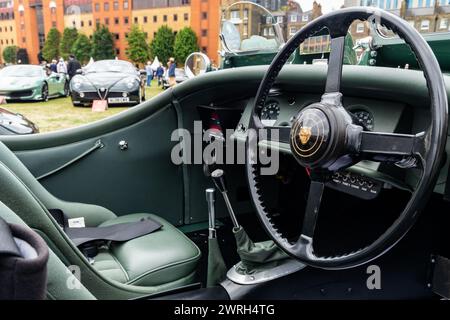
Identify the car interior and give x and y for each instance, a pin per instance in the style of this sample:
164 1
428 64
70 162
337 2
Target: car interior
362 181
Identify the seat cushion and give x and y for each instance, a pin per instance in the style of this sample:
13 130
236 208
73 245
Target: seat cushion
161 257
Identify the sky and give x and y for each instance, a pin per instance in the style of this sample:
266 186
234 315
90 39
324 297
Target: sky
327 5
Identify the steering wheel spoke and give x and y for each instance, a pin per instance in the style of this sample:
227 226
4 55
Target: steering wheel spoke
391 146
312 208
335 64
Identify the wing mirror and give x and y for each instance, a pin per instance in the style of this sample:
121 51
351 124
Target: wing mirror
197 63
79 71
142 72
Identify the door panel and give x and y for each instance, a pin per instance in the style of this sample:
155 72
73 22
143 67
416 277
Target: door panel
139 179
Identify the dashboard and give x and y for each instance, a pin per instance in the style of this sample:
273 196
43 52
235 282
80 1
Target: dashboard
364 180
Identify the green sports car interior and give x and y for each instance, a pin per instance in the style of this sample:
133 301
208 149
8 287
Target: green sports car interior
360 150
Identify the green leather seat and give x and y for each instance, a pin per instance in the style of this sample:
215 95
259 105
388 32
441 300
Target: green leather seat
162 260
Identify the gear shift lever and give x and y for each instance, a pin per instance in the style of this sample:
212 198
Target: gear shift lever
218 177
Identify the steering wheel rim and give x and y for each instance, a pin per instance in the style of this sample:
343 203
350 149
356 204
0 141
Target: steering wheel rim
427 148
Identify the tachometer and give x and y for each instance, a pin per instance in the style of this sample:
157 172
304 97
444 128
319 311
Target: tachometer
270 113
365 118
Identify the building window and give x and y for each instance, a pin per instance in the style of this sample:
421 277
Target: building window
116 20
292 30
186 16
443 24
293 18
204 32
74 24
117 51
204 49
269 20
425 25
54 24
266 32
136 20
97 22
125 20
125 4
90 23
82 23
175 17
280 19
235 15
107 21
155 18
245 14
245 30
165 18
271 32
97 7
116 5
204 15
360 27
106 6
305 18
117 36
145 19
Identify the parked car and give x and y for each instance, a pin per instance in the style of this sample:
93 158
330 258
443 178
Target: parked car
31 82
15 123
180 76
116 81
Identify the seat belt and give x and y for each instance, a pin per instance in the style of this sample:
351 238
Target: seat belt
119 232
88 239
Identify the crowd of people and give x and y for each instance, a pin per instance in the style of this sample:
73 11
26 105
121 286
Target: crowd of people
60 66
157 71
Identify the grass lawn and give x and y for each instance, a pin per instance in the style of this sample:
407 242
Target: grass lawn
57 114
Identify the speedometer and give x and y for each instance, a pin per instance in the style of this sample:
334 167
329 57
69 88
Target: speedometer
365 118
270 113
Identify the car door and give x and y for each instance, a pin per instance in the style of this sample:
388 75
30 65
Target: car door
55 83
122 163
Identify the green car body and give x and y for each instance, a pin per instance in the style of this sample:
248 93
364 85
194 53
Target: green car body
31 83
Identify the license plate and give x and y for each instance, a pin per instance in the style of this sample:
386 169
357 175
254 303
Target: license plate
99 105
119 100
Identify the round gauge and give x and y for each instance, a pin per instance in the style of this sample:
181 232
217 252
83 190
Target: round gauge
365 118
270 113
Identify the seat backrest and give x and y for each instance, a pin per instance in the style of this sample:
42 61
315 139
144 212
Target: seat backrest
94 215
62 284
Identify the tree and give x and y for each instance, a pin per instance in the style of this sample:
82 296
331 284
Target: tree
162 44
50 50
69 37
10 54
138 50
102 44
185 44
22 56
82 48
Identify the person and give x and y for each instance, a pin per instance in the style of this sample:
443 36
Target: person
171 72
149 71
160 74
61 67
72 66
53 66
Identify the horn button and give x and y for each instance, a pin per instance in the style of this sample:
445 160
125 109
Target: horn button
317 136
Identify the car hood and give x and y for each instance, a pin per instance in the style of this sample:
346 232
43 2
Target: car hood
18 83
104 79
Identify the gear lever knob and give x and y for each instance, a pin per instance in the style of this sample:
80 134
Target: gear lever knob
218 177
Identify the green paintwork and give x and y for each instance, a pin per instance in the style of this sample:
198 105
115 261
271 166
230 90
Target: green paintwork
395 53
232 60
11 84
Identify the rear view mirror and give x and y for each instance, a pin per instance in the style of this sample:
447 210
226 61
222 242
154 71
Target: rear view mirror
197 63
